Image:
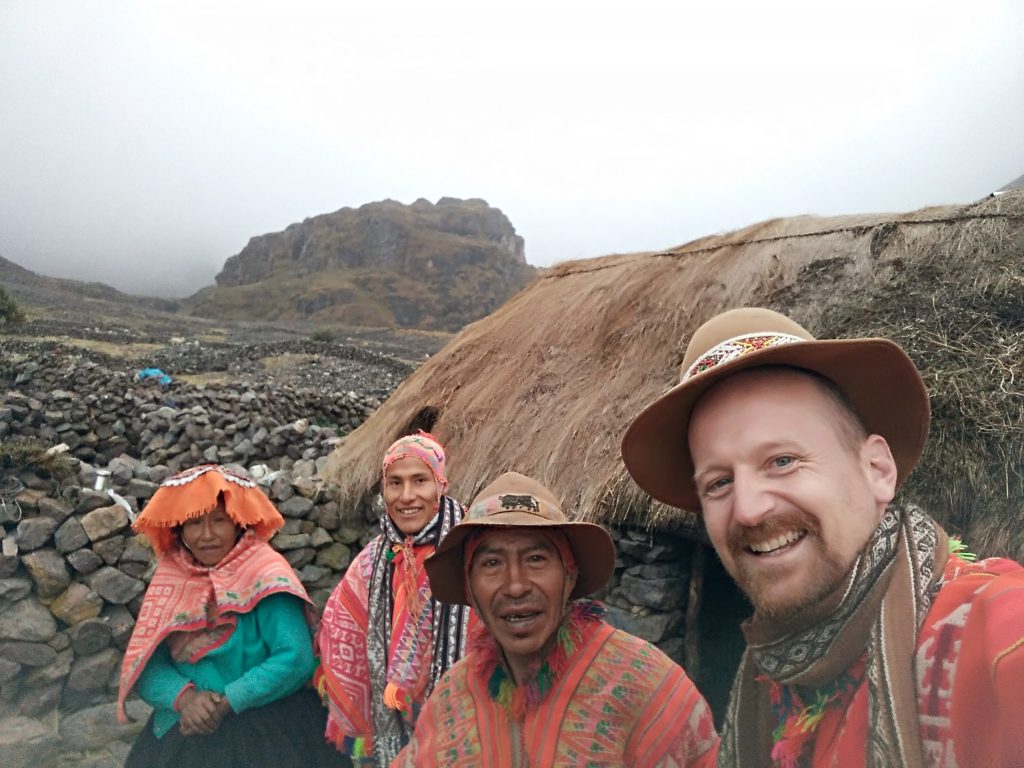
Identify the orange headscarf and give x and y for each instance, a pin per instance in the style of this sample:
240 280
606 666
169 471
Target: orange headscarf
195 492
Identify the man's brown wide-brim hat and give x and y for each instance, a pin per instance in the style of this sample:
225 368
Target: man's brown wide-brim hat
516 501
876 376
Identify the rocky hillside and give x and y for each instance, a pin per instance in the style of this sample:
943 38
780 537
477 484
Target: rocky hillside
435 267
39 290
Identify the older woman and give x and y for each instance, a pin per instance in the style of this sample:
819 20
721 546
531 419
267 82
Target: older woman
384 642
222 647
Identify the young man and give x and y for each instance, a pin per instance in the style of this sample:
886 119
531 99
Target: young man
384 641
872 643
545 682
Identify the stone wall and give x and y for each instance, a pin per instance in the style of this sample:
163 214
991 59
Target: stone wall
72 573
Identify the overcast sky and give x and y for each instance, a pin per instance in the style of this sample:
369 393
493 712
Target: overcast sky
142 143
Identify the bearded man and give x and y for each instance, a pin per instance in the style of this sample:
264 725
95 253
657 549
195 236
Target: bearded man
545 682
873 641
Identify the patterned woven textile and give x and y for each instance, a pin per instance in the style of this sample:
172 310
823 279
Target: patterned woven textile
195 607
965 668
619 701
381 627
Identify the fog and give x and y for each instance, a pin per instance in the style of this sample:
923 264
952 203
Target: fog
142 144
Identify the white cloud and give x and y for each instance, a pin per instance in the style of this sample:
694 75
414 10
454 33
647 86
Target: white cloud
148 139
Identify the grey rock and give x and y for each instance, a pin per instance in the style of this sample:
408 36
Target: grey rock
296 506
97 726
90 636
319 538
660 594
297 558
121 624
114 586
29 654
49 571
14 589
70 536
8 670
55 509
121 471
336 557
110 549
77 603
140 489
91 500
34 533
328 515
38 701
312 574
90 673
657 571
284 542
85 561
59 668
136 551
105 521
281 488
8 563
26 620
27 743
60 641
653 627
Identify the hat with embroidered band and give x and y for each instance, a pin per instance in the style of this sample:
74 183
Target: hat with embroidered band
876 376
516 501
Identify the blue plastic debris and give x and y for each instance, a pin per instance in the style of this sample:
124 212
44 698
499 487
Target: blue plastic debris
153 373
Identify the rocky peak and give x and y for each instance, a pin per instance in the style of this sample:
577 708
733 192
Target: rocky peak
384 234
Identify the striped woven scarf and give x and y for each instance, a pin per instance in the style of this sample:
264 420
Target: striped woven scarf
395 628
890 588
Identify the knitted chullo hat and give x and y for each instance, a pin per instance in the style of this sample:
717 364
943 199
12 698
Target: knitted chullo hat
195 492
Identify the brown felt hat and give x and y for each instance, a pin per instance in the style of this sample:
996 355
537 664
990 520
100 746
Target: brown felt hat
517 501
877 377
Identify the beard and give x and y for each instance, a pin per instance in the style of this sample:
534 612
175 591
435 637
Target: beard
829 571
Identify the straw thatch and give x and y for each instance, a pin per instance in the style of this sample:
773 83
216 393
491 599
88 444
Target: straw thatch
547 384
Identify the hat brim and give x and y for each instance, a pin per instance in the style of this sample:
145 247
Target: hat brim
877 377
591 544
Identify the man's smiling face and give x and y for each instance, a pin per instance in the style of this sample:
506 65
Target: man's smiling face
790 491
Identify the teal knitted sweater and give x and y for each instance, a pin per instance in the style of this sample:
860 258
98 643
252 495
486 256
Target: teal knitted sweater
269 656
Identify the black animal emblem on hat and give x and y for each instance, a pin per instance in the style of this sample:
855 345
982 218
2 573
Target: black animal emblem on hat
520 502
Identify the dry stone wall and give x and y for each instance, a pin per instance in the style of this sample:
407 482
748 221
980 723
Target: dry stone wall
73 574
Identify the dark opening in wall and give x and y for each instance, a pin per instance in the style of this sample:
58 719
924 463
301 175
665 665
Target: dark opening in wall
424 420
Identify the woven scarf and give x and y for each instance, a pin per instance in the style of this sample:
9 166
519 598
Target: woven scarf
195 608
397 627
890 589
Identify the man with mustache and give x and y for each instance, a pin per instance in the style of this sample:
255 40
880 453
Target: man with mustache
545 682
873 641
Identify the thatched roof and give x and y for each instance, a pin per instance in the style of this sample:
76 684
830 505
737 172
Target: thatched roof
547 384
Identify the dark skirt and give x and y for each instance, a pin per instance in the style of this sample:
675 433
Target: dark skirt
287 733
